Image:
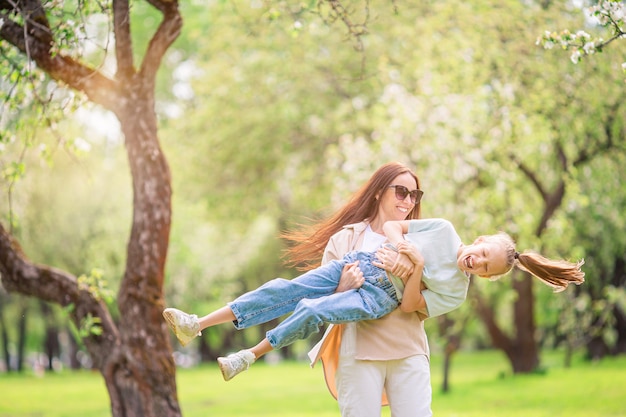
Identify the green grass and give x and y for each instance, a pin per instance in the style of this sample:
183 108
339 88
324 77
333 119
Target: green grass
481 385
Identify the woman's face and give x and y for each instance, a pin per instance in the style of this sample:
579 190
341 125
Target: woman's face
483 258
390 207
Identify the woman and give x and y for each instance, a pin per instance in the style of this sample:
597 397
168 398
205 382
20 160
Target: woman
364 361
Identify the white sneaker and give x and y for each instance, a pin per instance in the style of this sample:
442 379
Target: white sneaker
235 363
185 326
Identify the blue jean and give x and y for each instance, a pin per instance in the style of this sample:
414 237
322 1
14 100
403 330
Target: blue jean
312 299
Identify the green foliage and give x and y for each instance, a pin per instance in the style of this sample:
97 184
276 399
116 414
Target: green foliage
96 285
89 325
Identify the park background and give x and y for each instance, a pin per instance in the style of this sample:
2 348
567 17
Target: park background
270 114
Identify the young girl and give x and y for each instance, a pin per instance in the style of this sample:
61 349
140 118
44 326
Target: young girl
423 257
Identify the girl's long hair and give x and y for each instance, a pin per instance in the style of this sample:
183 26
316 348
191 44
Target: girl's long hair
557 274
308 241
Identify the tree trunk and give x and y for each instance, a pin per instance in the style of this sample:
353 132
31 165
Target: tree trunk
619 281
521 349
620 326
51 340
453 343
21 336
141 376
524 353
4 335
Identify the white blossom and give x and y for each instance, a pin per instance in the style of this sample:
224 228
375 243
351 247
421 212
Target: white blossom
575 58
589 48
582 34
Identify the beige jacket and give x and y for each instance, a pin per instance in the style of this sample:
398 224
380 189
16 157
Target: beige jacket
395 336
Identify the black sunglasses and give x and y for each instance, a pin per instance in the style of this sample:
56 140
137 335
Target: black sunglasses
402 192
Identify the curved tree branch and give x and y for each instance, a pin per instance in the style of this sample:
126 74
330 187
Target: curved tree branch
123 40
531 176
166 34
18 274
37 45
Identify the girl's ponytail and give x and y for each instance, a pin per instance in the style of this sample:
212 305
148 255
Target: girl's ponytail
557 274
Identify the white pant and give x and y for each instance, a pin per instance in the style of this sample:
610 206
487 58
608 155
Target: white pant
406 381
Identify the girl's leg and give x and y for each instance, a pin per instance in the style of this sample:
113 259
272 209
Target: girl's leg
236 363
187 326
280 296
367 303
222 315
261 348
270 301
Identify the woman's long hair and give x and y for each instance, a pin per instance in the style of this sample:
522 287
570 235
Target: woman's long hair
309 241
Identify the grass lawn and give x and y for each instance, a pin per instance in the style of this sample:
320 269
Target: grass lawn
481 385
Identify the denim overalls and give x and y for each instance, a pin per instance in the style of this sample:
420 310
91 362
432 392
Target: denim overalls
312 299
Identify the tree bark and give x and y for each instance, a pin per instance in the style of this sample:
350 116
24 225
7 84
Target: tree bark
51 344
525 351
521 348
4 336
453 343
21 336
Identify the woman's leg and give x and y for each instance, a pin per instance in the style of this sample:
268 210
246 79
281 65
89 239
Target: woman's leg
359 387
408 387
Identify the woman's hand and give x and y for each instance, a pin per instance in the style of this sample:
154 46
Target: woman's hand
351 277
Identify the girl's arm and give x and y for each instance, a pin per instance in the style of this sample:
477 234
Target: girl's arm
394 231
412 298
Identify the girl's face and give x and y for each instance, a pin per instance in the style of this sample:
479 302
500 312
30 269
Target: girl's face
390 207
483 258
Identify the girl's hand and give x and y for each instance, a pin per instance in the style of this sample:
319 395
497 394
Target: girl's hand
398 264
411 252
351 277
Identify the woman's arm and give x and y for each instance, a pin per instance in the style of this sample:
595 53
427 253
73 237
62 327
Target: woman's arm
351 277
